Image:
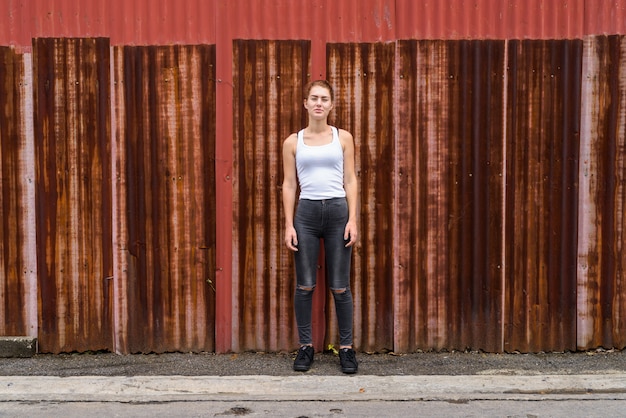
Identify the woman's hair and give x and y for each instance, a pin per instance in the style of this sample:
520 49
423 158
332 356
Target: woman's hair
321 83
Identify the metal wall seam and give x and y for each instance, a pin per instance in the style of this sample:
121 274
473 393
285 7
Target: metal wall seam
119 229
29 209
225 304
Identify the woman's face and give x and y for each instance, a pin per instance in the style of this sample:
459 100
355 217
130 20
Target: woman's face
319 103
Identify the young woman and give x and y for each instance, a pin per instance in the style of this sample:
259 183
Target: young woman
320 159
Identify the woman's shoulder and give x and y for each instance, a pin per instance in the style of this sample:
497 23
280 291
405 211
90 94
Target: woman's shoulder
291 141
344 135
292 138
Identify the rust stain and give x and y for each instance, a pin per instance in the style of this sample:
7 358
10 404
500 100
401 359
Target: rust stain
363 76
16 272
542 194
601 302
165 97
476 217
268 78
73 187
449 191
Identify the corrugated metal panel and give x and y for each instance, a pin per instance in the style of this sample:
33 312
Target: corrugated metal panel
124 22
543 125
356 21
202 21
602 219
449 188
18 290
268 79
491 19
363 76
605 17
72 151
165 198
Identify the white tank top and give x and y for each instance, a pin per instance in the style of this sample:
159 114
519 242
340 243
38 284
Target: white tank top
320 168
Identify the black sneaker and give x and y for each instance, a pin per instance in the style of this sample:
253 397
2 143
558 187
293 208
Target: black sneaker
304 359
347 358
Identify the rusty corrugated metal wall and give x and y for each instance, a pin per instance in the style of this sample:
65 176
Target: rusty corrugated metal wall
165 198
601 297
73 186
363 75
449 188
543 133
268 77
141 144
18 270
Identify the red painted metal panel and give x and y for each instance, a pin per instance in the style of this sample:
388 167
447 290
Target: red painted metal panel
124 22
165 291
604 17
543 124
602 219
200 21
18 297
224 228
491 19
269 78
358 21
72 151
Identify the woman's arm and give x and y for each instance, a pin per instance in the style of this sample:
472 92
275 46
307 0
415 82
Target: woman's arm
350 184
290 186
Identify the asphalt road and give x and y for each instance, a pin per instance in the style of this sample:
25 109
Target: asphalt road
326 364
497 408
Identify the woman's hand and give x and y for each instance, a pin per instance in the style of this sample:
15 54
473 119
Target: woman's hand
350 234
291 238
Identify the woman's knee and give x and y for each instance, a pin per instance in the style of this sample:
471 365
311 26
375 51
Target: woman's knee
304 292
304 288
342 294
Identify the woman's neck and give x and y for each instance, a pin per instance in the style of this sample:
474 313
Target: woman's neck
316 127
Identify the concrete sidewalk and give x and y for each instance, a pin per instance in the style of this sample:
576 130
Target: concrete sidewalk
310 388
